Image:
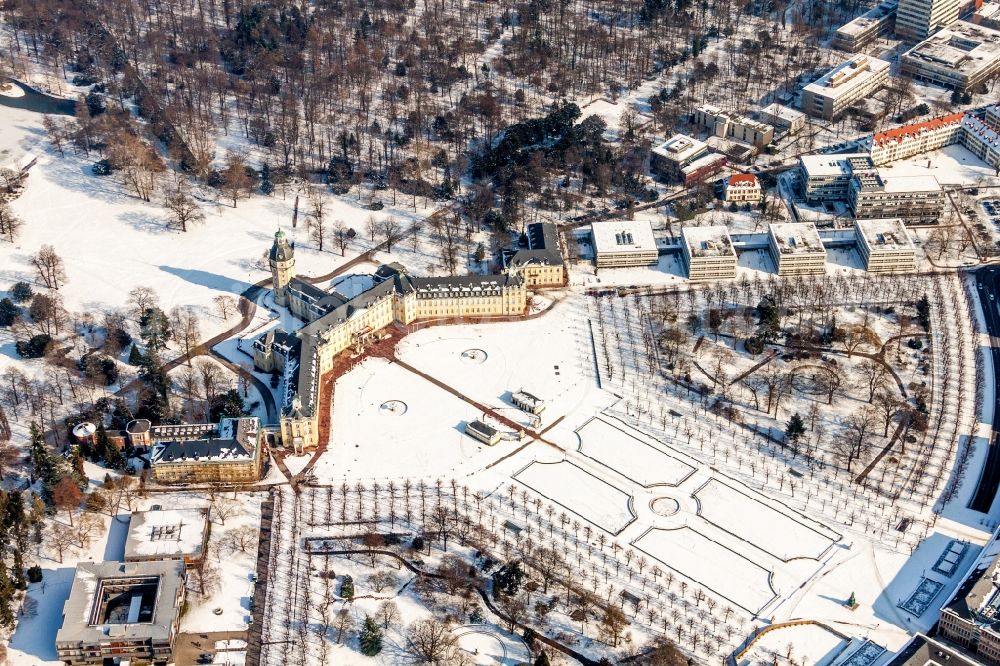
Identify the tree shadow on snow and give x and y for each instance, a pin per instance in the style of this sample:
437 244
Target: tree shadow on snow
143 221
36 635
209 280
114 549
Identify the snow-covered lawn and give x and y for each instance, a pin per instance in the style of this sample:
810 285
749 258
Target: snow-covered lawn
806 643
547 357
771 528
425 436
589 497
710 565
631 455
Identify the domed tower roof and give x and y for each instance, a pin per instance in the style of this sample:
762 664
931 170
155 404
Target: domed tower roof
281 250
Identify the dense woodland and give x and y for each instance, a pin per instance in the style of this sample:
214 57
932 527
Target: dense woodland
397 95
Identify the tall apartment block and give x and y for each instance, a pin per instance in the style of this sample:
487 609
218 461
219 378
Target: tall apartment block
917 20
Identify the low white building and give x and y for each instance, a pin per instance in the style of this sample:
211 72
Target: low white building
708 253
796 248
680 150
622 243
167 534
743 188
527 402
885 246
783 116
728 125
865 29
484 433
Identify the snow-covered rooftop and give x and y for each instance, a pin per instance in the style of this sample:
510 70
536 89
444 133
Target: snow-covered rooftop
847 76
796 238
680 147
711 241
166 534
962 47
888 234
623 236
818 166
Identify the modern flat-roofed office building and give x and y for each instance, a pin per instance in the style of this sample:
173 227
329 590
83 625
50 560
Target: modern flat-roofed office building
708 253
796 248
623 243
885 246
962 56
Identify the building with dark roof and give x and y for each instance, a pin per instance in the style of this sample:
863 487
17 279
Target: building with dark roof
924 651
541 264
484 433
228 452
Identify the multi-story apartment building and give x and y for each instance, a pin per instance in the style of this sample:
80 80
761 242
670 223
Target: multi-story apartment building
919 19
796 248
962 56
828 177
623 243
337 322
834 92
975 133
743 187
982 137
885 246
909 140
121 611
231 451
916 199
708 253
865 29
728 125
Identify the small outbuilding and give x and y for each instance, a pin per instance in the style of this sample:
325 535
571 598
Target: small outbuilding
528 402
484 433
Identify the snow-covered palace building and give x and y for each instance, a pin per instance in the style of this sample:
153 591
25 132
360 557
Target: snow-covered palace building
336 322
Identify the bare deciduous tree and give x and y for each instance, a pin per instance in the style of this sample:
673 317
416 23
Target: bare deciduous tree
49 267
182 209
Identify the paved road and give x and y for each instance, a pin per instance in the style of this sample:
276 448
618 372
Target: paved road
988 284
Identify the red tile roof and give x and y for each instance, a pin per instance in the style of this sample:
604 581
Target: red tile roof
906 131
743 179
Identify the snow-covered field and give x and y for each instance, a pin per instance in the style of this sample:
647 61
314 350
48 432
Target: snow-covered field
711 565
423 437
631 455
589 497
761 523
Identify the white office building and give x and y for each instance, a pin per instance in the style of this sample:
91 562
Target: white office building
834 92
796 248
918 19
885 246
708 253
623 243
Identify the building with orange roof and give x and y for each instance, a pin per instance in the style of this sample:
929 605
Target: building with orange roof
914 139
743 188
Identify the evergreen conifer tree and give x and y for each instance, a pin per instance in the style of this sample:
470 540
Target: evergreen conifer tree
371 637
